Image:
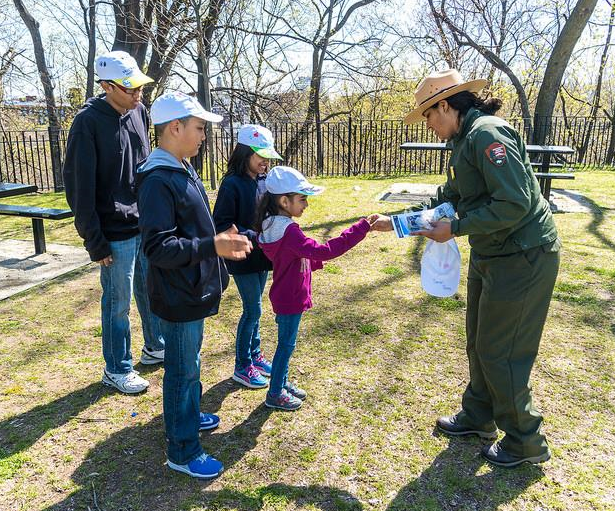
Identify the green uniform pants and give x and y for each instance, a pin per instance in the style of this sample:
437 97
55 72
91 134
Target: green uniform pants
508 300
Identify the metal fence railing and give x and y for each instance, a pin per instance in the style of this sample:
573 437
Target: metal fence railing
349 148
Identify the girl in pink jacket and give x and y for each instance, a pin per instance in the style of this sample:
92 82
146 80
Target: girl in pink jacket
294 257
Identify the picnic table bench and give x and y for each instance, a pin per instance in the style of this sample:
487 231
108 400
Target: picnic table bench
546 152
36 213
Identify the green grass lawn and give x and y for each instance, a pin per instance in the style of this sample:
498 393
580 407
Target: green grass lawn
379 358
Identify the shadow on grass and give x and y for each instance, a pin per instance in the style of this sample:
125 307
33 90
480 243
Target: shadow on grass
317 497
19 432
127 470
452 482
597 221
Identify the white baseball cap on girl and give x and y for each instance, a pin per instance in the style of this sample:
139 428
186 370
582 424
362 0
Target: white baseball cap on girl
281 180
260 140
119 67
177 105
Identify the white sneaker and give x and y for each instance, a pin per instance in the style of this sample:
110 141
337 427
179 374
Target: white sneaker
150 357
129 383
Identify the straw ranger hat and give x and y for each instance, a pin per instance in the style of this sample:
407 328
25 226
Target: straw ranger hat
437 86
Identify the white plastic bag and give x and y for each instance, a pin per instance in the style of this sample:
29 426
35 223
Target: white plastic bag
441 268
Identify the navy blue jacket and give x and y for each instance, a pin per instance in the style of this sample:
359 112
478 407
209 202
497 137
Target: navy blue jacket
236 204
102 152
185 277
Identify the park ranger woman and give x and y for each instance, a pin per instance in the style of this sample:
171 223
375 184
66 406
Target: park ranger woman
514 260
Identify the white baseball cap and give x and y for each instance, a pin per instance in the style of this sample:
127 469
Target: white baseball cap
177 105
260 140
121 68
282 180
441 268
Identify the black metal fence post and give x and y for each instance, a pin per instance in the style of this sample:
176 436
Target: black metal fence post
56 159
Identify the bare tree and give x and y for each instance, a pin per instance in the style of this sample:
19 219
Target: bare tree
54 123
558 61
89 24
133 22
595 107
205 28
495 31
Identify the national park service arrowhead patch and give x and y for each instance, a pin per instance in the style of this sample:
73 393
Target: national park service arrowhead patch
496 153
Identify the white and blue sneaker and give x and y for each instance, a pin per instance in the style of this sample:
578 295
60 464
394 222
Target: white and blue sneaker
151 357
208 421
201 467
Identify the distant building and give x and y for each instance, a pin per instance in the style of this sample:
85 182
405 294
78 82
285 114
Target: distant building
35 109
221 105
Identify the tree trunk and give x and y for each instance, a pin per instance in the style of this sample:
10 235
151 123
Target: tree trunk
41 64
131 28
89 22
556 65
204 34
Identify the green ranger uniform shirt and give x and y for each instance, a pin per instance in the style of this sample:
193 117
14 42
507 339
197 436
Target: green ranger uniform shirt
493 188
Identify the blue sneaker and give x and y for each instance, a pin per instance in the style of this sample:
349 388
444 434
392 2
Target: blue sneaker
262 364
284 401
208 421
202 467
250 377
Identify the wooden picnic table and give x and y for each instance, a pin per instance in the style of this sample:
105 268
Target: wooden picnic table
12 189
546 151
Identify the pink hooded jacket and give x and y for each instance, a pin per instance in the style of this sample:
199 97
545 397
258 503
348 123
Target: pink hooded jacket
295 256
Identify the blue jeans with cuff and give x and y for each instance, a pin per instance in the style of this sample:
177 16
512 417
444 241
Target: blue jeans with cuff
248 340
181 389
125 275
288 326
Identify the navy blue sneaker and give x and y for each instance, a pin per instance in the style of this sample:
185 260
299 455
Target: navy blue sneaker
292 389
262 364
284 401
250 377
202 467
208 421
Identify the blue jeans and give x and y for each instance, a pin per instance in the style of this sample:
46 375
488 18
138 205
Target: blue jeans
127 273
288 326
248 340
181 389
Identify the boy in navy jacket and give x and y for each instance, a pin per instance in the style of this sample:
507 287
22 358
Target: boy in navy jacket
186 275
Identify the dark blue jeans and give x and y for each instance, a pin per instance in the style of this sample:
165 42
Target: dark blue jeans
126 274
181 389
288 326
248 341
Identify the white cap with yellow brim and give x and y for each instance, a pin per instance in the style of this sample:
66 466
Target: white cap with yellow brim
119 67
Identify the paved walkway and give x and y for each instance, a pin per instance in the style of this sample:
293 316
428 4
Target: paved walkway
21 269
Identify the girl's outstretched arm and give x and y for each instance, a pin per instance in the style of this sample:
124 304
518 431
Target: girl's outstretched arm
306 247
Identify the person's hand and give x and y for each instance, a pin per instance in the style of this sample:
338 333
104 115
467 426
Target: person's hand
379 222
232 245
106 261
441 232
